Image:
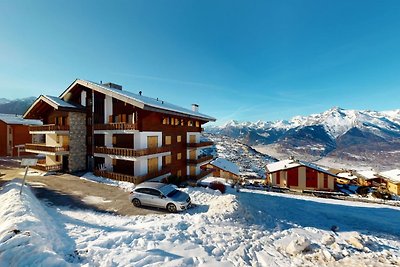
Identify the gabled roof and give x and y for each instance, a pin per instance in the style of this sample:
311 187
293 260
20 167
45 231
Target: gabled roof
392 175
290 163
368 175
18 120
347 175
225 165
53 101
137 100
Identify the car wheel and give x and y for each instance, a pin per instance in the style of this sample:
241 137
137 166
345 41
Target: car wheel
136 202
171 207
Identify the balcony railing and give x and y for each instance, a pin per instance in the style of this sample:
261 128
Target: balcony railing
48 128
131 178
199 160
201 144
47 168
116 126
43 147
203 173
129 152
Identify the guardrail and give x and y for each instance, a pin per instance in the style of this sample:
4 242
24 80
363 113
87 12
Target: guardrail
199 160
131 178
201 144
48 128
129 152
116 126
43 147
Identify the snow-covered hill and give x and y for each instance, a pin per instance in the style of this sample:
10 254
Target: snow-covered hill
336 133
247 228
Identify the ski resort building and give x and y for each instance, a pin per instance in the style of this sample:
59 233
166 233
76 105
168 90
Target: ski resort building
223 168
392 178
299 175
14 133
118 134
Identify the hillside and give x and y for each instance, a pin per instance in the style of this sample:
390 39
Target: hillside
16 106
365 136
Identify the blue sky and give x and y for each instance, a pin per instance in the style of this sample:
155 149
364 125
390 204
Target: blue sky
243 60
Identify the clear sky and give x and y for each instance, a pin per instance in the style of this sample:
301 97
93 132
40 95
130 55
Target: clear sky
243 60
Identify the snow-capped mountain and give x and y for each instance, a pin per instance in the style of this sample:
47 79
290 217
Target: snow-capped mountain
335 133
16 106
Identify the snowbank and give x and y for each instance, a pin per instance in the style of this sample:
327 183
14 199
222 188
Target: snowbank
28 235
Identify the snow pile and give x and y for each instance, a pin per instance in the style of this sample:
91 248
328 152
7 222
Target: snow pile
89 176
28 235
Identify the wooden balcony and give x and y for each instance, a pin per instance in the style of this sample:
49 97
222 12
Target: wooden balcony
131 178
129 152
47 168
199 160
48 128
203 173
201 144
44 148
122 126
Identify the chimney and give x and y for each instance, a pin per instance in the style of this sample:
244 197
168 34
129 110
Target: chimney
113 85
195 107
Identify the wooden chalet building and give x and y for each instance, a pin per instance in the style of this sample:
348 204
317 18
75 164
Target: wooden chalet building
223 168
392 178
119 134
299 175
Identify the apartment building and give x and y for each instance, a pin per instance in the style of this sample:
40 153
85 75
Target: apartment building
119 134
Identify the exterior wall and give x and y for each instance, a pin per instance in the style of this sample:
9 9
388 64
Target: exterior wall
21 136
301 180
393 187
77 142
3 139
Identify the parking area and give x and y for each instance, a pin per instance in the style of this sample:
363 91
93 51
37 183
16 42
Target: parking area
70 190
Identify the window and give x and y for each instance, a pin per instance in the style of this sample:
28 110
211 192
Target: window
176 121
182 122
179 156
167 139
165 121
167 159
114 162
57 158
197 124
190 123
179 138
179 173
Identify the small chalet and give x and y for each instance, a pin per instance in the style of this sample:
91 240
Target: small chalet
224 168
369 178
346 177
392 178
14 133
299 175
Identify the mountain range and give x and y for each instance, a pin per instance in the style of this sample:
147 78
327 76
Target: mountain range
16 106
339 135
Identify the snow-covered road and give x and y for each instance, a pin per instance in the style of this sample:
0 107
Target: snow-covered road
249 228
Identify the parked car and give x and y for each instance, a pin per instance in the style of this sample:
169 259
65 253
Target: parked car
160 195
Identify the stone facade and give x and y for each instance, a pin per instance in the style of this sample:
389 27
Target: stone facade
77 142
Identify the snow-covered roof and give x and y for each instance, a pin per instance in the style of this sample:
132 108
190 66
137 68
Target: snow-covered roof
282 165
54 102
368 175
346 175
18 119
290 163
59 102
393 175
141 101
225 165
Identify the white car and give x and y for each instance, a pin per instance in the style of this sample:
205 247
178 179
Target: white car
159 195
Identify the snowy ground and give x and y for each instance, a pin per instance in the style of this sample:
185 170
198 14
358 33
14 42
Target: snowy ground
249 228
